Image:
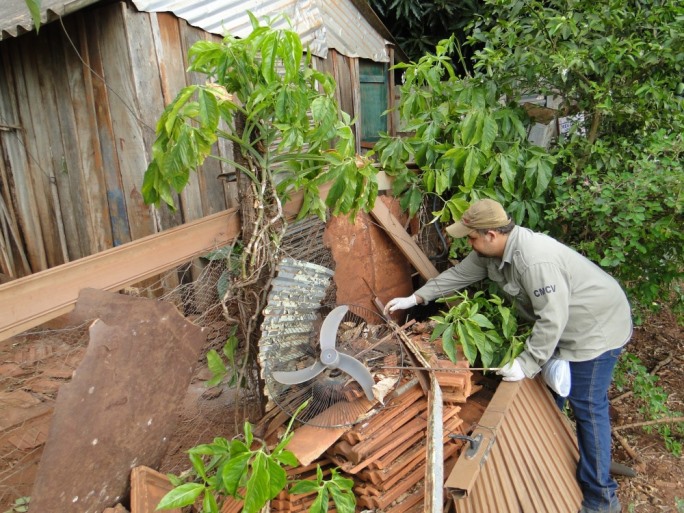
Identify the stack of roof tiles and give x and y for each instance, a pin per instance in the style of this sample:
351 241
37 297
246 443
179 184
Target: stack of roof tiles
385 455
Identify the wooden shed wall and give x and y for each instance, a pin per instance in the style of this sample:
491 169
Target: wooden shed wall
78 106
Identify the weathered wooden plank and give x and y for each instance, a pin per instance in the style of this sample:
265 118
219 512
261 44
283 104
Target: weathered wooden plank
171 63
354 77
25 304
341 71
145 66
37 146
128 137
116 202
90 182
19 200
191 199
69 175
404 241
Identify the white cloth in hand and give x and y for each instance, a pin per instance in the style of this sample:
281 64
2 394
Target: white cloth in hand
556 374
400 303
512 371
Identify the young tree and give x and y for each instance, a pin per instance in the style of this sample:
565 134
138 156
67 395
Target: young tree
263 95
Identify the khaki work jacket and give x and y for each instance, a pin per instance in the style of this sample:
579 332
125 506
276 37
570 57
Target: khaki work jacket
579 311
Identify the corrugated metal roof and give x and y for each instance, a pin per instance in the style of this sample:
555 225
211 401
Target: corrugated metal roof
15 18
322 25
527 458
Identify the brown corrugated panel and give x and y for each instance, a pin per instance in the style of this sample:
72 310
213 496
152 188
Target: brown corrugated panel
527 460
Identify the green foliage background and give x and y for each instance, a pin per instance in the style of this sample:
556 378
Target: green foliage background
612 188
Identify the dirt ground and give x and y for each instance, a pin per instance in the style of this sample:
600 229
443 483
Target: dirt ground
36 371
659 484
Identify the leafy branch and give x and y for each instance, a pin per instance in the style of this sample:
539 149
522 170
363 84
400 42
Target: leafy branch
244 469
484 328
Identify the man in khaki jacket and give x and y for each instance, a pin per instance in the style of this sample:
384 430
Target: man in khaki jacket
580 314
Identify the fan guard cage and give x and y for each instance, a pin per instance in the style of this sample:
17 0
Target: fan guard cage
363 334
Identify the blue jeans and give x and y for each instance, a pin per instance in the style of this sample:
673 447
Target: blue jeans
589 401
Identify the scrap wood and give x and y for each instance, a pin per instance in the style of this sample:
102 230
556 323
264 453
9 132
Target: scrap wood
664 420
303 470
392 472
381 461
413 501
450 421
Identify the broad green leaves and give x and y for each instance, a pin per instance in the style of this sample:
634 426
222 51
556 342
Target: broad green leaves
244 468
294 138
484 328
465 142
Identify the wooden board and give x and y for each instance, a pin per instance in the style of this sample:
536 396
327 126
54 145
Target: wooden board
25 304
116 202
91 181
404 241
116 61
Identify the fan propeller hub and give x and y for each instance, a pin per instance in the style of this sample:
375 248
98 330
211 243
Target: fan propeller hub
330 358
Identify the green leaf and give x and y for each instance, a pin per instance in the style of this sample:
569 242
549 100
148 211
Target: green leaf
198 464
34 9
473 168
448 343
277 477
215 363
344 500
209 504
233 472
303 487
208 110
482 321
258 485
490 130
469 348
507 173
288 458
320 504
184 495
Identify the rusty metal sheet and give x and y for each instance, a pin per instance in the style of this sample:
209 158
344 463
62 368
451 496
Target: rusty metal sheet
119 410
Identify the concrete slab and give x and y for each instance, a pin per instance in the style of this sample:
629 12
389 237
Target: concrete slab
119 410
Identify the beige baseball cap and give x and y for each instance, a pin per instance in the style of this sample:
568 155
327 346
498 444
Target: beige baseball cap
482 215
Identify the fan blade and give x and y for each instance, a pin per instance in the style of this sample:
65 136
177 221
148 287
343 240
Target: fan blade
358 371
328 334
298 376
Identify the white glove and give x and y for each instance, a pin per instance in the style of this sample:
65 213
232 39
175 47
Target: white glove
400 303
512 371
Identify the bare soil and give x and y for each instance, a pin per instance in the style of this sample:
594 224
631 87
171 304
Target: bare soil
206 413
659 484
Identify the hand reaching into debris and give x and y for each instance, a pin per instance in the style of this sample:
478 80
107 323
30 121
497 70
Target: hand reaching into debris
400 303
512 371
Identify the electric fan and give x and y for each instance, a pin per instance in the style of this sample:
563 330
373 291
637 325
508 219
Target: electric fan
340 367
